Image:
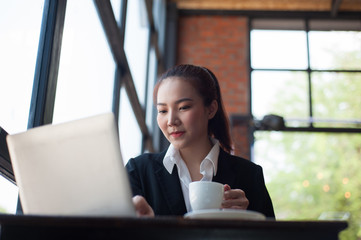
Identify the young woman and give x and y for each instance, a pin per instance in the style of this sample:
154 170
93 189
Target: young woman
192 117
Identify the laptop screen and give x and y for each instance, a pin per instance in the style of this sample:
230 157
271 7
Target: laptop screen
72 168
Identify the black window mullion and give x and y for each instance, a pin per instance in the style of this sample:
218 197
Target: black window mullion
47 64
118 72
146 96
112 33
309 74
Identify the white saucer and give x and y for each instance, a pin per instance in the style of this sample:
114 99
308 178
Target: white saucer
225 214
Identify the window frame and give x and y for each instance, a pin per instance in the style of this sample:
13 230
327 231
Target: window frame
306 25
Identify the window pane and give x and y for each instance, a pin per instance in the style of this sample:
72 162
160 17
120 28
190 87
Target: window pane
159 14
336 98
308 174
152 78
9 196
86 71
129 132
136 44
116 5
20 23
335 50
278 49
280 93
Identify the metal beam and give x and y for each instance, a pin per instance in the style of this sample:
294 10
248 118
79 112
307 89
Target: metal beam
116 44
322 130
335 7
118 74
274 14
154 36
264 5
47 64
247 120
6 169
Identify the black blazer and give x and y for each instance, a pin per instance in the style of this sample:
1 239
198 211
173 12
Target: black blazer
149 178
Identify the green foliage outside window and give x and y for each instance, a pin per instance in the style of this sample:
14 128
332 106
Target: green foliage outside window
311 176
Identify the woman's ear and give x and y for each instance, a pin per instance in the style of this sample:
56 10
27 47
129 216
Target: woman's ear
212 109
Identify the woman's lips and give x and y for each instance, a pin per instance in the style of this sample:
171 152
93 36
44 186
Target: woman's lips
177 134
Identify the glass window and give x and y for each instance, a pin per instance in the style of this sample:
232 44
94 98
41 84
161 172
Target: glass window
309 175
116 5
9 196
159 14
335 50
152 78
333 99
129 131
278 49
136 45
86 70
336 99
20 23
280 93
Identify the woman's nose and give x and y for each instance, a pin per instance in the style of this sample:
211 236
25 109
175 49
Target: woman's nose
173 119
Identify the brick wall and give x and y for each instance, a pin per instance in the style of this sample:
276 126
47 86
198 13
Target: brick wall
221 44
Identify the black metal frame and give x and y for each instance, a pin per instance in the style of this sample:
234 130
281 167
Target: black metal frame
274 14
118 71
115 38
6 169
311 127
47 64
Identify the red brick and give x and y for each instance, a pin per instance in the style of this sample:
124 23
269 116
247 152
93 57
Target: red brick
221 44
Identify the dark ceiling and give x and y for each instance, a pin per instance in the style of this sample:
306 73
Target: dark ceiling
333 7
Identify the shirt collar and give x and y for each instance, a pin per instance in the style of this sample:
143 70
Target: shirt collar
213 156
172 157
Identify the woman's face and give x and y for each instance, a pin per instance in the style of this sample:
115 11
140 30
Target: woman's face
182 116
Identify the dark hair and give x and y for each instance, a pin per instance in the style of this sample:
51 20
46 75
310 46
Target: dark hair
206 83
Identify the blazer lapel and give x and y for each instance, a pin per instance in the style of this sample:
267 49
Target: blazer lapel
171 188
226 173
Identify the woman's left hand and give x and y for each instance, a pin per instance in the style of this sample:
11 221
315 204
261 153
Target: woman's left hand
234 198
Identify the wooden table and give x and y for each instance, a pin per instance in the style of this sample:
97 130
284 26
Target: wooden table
43 227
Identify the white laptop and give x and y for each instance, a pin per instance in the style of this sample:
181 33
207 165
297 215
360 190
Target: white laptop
72 169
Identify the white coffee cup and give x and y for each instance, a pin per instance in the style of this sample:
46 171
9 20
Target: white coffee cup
205 195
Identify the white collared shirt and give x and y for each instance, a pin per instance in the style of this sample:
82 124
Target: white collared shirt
208 168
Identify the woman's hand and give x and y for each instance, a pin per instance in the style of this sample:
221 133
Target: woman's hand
234 198
142 207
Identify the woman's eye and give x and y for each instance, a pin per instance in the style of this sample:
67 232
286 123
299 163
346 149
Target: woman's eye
184 107
162 111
